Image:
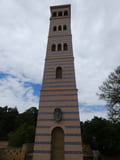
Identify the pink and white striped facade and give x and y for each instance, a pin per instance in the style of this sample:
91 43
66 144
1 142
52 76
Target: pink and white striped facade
59 92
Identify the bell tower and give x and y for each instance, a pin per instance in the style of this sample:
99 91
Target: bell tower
58 135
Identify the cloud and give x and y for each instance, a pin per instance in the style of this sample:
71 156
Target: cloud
24 29
84 116
21 41
88 112
97 48
13 92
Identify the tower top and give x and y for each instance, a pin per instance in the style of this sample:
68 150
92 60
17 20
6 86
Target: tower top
60 11
61 6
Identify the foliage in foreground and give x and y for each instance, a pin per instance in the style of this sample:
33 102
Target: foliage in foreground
24 134
7 121
25 131
17 128
106 133
110 92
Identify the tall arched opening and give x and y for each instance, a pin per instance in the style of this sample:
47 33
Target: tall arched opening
57 144
58 73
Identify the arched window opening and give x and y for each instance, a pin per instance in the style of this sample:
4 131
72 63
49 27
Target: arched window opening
59 28
58 73
65 47
57 144
54 28
65 13
64 27
60 13
53 47
59 47
54 14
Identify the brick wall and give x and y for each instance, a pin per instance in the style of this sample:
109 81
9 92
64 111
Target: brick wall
7 153
3 144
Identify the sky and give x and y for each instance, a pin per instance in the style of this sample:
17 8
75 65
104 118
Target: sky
24 26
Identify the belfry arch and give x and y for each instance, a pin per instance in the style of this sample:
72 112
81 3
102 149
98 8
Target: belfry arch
57 144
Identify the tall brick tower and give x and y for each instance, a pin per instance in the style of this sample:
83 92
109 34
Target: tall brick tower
58 135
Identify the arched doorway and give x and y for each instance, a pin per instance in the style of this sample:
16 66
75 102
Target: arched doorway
57 144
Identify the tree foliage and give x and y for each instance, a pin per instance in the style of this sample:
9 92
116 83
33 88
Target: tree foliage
110 92
7 121
106 133
17 128
25 128
29 117
24 134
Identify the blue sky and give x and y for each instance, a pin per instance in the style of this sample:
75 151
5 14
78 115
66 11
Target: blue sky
24 29
36 88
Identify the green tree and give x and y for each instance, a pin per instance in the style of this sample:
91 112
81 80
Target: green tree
29 117
110 92
106 133
25 132
7 121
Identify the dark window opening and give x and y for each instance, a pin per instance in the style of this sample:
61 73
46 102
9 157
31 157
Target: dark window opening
59 47
54 28
59 28
53 47
54 14
64 27
60 13
65 47
65 13
58 73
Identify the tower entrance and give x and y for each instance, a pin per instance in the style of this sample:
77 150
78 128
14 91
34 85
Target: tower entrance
57 144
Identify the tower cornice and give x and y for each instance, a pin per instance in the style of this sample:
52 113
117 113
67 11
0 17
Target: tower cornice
70 57
63 17
60 36
60 6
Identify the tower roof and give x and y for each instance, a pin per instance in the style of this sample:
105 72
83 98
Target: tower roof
55 10
60 6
